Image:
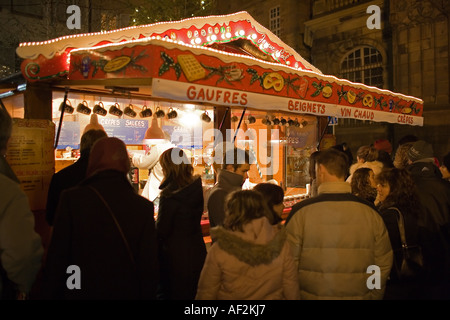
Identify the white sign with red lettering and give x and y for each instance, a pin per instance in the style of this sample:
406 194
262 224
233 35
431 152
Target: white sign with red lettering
190 92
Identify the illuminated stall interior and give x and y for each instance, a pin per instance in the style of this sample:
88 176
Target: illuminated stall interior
286 138
281 143
131 120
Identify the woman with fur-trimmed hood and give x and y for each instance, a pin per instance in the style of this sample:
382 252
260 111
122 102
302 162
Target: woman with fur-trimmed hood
367 157
250 258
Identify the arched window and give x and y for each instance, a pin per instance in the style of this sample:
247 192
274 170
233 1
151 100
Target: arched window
364 65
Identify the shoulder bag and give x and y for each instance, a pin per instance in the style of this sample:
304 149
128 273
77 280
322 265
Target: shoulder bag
117 225
411 265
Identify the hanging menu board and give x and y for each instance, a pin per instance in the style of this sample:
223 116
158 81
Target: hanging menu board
128 130
185 138
69 135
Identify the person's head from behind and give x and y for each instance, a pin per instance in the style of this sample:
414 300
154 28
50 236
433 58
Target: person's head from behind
401 155
274 196
237 161
331 166
108 154
5 130
345 148
243 206
89 138
218 154
362 153
385 159
363 184
176 167
396 187
420 151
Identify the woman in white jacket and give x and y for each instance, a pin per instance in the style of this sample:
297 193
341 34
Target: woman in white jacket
150 161
250 259
367 157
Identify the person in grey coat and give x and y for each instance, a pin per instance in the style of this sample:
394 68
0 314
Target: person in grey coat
235 165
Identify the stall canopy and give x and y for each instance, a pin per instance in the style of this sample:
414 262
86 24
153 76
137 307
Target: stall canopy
228 60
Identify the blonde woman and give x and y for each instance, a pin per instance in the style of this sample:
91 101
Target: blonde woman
249 260
401 158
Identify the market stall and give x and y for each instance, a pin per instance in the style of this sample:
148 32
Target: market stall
272 96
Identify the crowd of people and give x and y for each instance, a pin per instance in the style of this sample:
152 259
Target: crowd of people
409 189
343 242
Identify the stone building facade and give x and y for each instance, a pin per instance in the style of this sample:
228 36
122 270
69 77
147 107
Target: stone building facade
406 53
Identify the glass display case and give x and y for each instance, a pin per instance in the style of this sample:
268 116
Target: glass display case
301 141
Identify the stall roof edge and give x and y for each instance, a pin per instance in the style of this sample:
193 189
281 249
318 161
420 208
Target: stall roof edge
49 48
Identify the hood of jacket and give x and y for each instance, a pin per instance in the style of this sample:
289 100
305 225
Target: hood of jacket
259 243
376 166
229 181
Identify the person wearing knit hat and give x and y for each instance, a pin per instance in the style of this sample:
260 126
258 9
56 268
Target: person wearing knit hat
434 197
383 144
420 150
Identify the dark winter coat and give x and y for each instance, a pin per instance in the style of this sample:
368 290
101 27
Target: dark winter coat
434 196
85 235
64 179
396 289
182 249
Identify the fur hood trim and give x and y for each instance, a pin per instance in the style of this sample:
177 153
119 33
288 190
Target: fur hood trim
248 252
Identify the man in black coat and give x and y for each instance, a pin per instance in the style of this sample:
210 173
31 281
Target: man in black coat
434 196
71 175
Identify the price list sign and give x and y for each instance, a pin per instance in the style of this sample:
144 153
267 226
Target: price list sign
32 158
